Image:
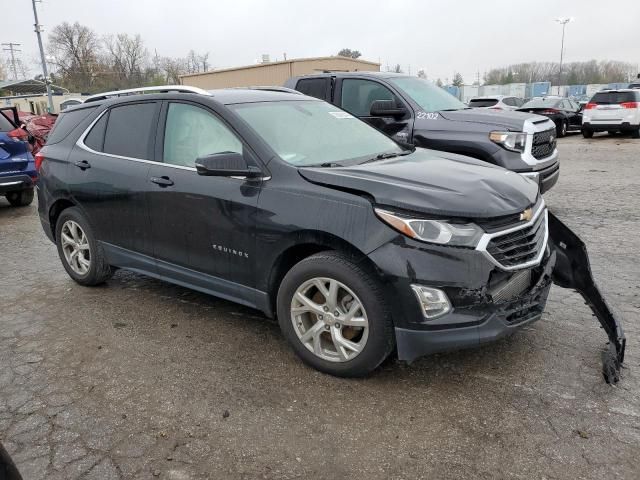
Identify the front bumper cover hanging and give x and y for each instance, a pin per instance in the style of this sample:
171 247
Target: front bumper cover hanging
572 270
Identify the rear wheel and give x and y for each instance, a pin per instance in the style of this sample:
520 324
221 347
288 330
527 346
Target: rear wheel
81 255
332 312
21 198
562 129
635 133
587 133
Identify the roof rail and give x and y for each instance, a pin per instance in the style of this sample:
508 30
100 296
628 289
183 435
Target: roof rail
269 88
134 91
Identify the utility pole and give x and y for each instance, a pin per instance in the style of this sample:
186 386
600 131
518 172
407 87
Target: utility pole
563 22
12 48
38 30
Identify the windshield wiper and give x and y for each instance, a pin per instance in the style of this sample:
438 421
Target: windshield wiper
384 156
324 165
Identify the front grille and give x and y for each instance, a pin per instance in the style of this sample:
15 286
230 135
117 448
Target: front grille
544 143
521 247
513 287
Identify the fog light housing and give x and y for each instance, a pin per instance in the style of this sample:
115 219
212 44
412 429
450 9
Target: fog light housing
433 302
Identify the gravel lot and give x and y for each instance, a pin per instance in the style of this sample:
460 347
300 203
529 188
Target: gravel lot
142 379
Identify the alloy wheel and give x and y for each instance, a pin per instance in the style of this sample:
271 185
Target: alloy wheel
329 319
75 246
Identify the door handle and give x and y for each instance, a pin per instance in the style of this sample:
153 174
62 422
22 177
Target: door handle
163 181
82 164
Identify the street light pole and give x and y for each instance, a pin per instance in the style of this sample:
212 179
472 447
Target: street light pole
562 21
38 31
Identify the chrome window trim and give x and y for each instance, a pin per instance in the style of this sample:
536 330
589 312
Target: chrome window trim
80 143
487 237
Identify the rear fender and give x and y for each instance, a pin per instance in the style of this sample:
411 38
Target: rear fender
573 270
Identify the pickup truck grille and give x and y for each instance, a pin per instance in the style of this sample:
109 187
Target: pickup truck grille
522 247
544 143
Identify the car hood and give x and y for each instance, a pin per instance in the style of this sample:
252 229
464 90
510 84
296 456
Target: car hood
513 121
434 183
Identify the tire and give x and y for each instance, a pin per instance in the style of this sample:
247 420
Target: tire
375 341
562 129
635 133
97 270
21 198
587 133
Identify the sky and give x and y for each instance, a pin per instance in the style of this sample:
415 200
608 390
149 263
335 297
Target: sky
440 37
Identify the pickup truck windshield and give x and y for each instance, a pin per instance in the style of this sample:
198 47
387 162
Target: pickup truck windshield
430 97
313 133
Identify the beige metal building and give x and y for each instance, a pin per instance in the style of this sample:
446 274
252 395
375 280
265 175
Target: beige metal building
274 73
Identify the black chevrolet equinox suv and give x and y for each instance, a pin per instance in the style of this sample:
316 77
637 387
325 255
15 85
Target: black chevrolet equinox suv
357 244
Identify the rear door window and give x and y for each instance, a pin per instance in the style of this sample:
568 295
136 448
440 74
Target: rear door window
314 87
66 122
358 95
483 102
130 130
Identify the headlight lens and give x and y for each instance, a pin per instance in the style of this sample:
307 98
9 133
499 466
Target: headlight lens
433 231
514 141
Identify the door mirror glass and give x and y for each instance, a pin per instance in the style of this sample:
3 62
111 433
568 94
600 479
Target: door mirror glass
386 108
225 164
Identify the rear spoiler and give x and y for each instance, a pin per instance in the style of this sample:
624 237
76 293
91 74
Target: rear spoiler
573 270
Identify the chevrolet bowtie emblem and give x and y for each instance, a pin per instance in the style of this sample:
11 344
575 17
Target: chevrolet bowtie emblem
526 215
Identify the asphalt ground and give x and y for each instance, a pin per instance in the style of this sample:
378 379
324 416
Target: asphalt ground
142 379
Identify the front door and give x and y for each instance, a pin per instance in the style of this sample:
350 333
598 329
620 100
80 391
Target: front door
202 226
356 96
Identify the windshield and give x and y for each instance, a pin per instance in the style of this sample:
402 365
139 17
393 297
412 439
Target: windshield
483 102
541 103
428 96
312 133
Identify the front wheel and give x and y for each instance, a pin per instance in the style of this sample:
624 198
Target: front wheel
332 311
21 198
82 256
587 133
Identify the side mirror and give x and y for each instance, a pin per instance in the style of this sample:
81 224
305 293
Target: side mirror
225 164
386 108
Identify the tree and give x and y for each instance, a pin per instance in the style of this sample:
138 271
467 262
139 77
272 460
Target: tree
397 68
457 80
439 82
128 59
347 52
422 74
74 50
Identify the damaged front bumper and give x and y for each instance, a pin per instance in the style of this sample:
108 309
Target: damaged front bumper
488 304
481 322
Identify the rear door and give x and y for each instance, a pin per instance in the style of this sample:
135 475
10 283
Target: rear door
109 177
203 226
355 95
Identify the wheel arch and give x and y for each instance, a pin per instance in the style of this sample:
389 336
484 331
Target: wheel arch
55 210
303 245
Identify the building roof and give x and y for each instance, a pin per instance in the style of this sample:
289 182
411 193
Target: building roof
292 60
29 86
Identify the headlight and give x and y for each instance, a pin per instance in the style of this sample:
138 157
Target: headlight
514 141
433 231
